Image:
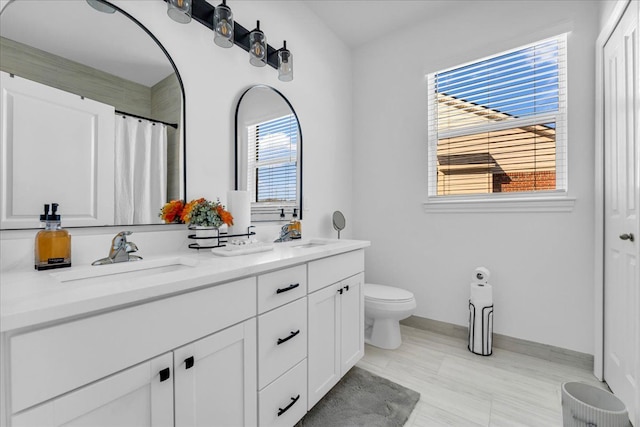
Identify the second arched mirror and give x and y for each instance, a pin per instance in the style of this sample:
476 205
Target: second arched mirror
269 154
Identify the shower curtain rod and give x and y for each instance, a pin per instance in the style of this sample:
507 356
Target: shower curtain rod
173 125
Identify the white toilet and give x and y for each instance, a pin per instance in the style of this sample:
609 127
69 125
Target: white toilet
384 307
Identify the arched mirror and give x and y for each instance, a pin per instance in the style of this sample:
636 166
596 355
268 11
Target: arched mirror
269 154
96 116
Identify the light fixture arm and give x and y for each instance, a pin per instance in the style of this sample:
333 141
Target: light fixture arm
202 12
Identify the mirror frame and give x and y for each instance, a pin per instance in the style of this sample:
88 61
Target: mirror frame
184 109
300 145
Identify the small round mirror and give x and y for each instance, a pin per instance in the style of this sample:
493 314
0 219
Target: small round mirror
338 222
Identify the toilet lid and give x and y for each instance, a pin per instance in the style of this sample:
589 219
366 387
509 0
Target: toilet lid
386 293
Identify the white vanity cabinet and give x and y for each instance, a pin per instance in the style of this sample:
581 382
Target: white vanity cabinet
101 361
254 351
336 320
282 347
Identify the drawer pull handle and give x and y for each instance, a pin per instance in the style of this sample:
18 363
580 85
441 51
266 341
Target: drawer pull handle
293 334
293 402
165 374
188 362
288 288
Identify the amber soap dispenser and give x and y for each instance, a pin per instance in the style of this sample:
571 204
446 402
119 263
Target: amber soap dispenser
53 244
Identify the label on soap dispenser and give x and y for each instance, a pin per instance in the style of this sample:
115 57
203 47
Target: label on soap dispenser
55 260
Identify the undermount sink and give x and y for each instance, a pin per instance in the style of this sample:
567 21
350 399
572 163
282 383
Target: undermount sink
124 270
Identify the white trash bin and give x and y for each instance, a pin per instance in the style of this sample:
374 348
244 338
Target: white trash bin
584 405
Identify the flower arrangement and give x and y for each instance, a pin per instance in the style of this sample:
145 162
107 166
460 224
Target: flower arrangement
172 211
198 212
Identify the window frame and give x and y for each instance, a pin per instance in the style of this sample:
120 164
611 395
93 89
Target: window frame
556 200
266 211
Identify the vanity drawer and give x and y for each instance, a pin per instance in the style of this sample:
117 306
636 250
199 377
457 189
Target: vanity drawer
282 340
327 271
48 362
280 287
287 396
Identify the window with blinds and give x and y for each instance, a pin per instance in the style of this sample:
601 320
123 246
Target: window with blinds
273 165
499 125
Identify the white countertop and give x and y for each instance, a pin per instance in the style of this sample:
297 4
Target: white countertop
31 298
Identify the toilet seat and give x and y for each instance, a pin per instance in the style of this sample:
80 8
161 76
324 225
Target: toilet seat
386 294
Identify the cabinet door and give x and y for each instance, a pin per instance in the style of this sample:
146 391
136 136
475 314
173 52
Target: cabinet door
216 379
352 322
138 396
324 352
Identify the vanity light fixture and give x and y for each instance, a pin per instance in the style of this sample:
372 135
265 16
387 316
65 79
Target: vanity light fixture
257 47
100 6
179 10
228 32
223 25
285 64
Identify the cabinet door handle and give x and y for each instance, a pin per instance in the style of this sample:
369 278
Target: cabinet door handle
340 291
165 374
293 334
293 402
188 362
288 288
627 236
347 288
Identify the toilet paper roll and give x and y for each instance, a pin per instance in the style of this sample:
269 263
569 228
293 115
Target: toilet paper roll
481 295
239 204
481 275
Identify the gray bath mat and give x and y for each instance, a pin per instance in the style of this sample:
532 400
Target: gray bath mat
362 399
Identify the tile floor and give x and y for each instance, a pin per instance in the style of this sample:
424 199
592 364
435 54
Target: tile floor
459 388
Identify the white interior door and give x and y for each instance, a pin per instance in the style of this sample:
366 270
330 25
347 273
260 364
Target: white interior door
622 188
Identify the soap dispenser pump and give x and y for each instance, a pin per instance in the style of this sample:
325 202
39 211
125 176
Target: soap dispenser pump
53 244
295 226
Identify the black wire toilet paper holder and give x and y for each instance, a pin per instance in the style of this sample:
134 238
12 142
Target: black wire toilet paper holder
487 312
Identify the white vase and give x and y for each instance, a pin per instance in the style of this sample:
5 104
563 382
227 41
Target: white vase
203 232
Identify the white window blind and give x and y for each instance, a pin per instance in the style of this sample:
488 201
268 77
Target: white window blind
498 125
273 165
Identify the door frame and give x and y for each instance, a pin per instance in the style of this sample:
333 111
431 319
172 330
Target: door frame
598 273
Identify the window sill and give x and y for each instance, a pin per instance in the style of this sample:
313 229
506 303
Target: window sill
499 205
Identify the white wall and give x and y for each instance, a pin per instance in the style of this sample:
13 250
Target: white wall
606 8
214 78
541 262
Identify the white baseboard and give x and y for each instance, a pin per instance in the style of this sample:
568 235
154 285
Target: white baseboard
542 351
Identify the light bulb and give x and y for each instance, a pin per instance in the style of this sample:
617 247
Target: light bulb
257 50
224 28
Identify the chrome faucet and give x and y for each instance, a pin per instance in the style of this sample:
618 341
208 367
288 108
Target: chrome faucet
287 234
120 250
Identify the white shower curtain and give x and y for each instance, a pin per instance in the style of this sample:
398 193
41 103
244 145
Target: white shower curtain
140 170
